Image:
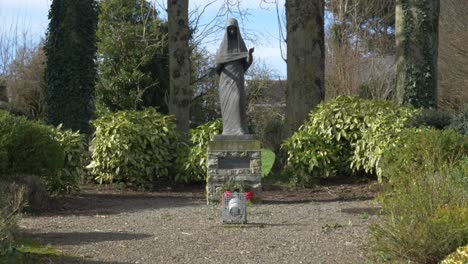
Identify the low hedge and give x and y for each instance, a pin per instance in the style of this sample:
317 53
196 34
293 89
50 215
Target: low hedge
136 148
28 147
32 148
344 136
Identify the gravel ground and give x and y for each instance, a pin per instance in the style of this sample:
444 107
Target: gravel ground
326 225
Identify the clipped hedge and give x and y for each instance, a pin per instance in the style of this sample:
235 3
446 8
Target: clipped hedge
195 167
345 135
425 200
28 147
57 156
136 148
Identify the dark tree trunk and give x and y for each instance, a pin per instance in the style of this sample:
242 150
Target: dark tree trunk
305 60
179 63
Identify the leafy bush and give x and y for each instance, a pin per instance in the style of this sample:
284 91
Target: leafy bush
77 157
423 150
31 148
195 164
430 118
460 122
345 135
28 147
135 148
425 202
10 205
458 257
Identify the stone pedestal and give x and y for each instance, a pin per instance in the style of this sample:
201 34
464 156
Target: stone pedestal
233 158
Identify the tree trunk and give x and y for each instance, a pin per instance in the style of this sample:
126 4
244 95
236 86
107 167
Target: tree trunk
416 33
306 66
179 63
452 64
305 60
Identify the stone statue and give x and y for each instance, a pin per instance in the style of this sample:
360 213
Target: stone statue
232 61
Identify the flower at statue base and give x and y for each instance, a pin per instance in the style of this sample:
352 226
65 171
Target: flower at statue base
227 194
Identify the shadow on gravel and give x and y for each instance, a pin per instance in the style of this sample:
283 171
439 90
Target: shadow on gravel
321 200
95 203
260 225
361 210
47 259
77 238
73 260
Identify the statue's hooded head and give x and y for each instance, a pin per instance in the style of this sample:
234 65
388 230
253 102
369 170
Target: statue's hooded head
233 46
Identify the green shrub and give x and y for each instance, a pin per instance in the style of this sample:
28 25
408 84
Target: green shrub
28 147
11 202
135 148
430 118
195 165
425 201
423 150
460 122
458 257
345 135
77 157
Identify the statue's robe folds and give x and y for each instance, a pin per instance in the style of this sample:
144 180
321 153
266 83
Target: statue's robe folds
232 61
232 98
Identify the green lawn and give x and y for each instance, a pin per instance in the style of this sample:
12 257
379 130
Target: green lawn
268 157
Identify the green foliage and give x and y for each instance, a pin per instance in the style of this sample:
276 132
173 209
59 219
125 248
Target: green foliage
11 202
76 158
458 257
28 147
30 251
425 202
268 158
133 51
345 135
70 63
135 148
195 165
430 118
31 148
460 122
423 150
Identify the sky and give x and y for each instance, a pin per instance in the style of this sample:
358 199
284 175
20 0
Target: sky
260 27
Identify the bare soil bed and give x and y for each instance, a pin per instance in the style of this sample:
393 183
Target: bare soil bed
328 224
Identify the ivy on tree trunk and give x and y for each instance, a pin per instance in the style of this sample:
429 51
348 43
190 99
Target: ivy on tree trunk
416 32
70 58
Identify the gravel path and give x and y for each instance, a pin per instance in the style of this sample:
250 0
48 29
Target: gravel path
167 227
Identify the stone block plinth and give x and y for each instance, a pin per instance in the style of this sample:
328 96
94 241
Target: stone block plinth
236 159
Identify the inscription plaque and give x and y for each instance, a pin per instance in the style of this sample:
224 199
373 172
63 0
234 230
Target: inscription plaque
234 163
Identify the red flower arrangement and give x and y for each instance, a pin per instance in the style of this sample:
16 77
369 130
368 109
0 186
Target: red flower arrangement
248 195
